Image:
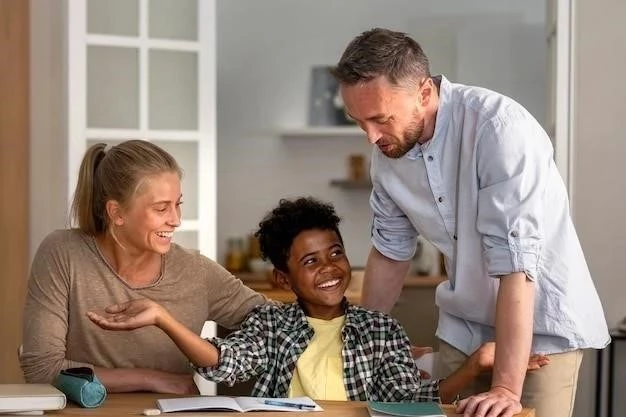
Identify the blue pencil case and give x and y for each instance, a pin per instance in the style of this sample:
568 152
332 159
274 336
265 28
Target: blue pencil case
82 386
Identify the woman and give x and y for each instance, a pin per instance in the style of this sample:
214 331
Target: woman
127 207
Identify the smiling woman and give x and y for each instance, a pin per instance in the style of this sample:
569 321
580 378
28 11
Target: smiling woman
127 206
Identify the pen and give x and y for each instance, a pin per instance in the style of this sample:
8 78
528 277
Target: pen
288 404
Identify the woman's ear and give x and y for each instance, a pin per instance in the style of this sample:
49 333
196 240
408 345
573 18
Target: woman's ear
281 279
114 213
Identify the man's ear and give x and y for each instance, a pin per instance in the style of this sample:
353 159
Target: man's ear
426 92
114 213
281 280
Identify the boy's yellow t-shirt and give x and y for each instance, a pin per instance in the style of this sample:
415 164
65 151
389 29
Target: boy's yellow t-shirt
319 370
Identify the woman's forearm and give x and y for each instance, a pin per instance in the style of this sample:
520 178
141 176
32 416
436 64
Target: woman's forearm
141 379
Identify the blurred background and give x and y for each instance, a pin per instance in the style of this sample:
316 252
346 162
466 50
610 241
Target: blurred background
227 86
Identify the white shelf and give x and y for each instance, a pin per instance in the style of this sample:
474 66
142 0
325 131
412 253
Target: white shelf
322 132
148 134
351 184
138 42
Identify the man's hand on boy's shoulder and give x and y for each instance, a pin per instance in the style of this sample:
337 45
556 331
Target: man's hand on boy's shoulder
418 352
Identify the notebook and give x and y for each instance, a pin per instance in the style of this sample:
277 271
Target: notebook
412 409
15 398
239 404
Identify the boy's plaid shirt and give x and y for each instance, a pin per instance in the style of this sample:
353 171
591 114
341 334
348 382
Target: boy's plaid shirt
377 362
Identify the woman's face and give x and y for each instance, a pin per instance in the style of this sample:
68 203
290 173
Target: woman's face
148 221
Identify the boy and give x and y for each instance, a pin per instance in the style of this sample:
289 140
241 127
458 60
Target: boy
320 346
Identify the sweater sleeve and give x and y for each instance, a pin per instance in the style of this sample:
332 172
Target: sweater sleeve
46 315
230 301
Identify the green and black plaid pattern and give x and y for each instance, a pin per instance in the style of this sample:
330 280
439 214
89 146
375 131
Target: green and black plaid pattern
376 354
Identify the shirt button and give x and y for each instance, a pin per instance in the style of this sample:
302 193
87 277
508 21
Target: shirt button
440 199
430 157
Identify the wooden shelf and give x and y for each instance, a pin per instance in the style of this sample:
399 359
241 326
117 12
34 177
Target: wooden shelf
322 132
351 185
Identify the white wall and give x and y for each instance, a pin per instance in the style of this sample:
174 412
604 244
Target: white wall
599 194
265 52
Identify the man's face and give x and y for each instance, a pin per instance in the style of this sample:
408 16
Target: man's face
391 116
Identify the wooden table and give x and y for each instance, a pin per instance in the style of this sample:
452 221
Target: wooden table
121 405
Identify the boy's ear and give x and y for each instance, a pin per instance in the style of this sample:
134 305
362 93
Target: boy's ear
281 280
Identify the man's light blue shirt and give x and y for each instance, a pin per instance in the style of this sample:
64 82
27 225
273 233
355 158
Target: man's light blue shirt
486 192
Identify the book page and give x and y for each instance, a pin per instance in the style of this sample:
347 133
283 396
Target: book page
258 404
198 403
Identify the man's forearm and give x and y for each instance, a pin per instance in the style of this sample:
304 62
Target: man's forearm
514 329
383 281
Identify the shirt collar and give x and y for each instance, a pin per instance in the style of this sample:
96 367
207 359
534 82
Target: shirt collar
443 109
295 318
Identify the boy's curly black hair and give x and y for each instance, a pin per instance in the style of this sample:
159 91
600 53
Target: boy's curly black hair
280 226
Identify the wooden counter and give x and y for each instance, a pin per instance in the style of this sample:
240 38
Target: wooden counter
117 405
261 283
284 296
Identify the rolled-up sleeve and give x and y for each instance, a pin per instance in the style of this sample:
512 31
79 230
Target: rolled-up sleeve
513 159
393 235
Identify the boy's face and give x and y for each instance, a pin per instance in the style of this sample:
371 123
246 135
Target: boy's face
318 272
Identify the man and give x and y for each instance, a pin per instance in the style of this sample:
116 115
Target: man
473 172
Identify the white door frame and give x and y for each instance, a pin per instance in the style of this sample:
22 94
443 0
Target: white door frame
563 142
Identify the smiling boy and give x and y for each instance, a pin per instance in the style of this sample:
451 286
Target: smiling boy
320 346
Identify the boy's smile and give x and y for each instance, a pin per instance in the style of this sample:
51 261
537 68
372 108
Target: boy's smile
318 272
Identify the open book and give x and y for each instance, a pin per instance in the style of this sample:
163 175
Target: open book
241 404
412 409
30 398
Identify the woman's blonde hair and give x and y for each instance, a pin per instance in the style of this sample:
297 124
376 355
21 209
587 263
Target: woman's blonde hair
114 174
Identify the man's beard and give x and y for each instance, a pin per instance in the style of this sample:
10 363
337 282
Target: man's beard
411 137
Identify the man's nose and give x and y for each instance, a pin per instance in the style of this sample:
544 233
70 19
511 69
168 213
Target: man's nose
373 134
